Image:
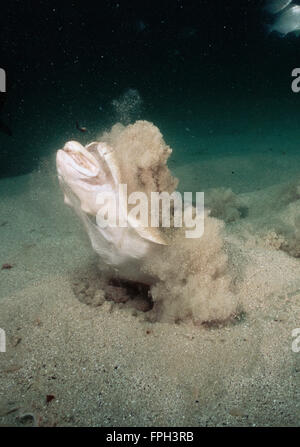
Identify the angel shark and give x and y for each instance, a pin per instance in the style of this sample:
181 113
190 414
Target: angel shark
3 127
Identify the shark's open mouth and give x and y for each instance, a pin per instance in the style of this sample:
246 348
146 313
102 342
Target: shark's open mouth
79 159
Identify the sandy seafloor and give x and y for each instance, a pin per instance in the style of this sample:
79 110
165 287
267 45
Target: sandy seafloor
106 365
